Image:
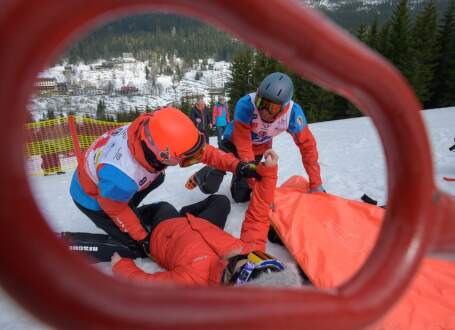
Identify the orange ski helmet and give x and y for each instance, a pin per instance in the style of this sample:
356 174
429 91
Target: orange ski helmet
172 137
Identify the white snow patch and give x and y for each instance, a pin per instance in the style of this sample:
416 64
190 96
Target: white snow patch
352 163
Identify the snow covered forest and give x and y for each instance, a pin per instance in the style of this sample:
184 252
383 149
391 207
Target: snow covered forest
417 37
126 84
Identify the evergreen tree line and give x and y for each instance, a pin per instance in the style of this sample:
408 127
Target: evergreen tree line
350 14
423 49
144 35
249 68
121 116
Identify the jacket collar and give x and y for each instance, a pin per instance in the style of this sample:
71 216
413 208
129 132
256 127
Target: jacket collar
224 247
134 142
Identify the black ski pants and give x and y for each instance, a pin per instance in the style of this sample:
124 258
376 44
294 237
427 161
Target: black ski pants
215 209
240 189
104 222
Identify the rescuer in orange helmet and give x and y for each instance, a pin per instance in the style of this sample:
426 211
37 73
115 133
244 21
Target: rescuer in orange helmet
122 166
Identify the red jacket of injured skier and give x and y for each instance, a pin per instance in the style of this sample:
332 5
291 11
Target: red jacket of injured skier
194 251
122 166
260 116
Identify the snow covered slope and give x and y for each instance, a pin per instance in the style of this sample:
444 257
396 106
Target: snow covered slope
351 159
360 4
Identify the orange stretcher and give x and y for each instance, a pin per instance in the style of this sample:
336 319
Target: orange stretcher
331 237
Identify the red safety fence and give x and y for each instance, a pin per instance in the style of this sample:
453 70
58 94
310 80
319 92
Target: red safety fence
53 146
64 291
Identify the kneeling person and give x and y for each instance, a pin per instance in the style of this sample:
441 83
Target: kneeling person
195 250
122 166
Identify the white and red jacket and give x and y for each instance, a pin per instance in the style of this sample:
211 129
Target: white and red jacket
252 136
114 169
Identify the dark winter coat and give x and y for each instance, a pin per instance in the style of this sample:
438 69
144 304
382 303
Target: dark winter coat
201 119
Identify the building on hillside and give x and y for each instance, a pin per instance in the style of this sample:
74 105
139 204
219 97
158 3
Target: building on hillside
216 91
62 88
128 90
192 98
46 84
128 58
91 90
106 65
69 69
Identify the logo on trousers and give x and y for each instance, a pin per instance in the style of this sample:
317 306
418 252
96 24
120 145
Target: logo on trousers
83 248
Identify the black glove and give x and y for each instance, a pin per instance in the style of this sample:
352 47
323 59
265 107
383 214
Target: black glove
145 245
319 188
247 170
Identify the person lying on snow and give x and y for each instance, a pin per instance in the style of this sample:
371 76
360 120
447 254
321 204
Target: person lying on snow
258 117
123 165
194 249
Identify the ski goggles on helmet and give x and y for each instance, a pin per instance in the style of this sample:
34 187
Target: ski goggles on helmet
257 263
195 154
188 158
265 105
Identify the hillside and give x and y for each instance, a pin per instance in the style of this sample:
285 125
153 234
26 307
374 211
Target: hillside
152 35
351 164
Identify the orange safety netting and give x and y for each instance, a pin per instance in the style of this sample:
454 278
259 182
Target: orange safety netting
51 146
331 237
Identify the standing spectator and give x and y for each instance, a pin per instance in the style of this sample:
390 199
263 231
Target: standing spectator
201 118
220 117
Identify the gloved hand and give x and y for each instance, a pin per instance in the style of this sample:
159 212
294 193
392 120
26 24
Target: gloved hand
145 245
319 188
247 170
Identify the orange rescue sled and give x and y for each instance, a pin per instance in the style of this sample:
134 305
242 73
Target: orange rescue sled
330 237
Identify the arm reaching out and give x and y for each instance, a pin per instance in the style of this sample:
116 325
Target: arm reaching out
126 268
256 225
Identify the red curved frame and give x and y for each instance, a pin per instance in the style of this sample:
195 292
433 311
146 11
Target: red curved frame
64 291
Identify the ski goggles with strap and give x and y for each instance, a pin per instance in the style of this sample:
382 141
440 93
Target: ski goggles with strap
258 262
188 158
265 105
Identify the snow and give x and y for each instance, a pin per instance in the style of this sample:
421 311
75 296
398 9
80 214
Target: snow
352 163
366 5
94 80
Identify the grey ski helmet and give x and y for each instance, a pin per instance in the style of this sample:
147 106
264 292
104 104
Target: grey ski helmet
276 87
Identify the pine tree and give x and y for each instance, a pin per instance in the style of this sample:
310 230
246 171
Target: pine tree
147 73
401 53
425 51
263 66
101 110
384 41
444 84
241 77
50 114
362 32
185 104
372 38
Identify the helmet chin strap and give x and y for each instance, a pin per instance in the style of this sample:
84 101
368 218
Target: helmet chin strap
151 158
